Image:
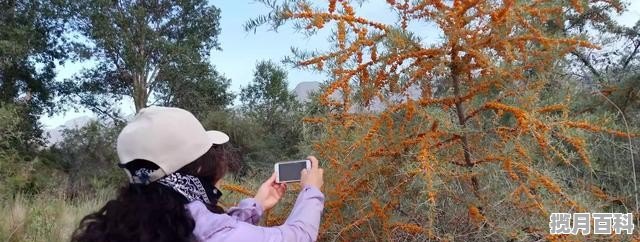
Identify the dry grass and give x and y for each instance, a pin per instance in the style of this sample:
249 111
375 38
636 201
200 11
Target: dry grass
51 216
46 217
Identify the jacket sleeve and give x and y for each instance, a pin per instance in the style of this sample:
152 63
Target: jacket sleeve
302 225
248 210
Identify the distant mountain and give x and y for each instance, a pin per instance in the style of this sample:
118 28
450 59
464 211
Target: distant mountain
304 89
55 134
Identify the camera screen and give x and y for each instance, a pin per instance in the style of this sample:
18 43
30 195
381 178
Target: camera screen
291 171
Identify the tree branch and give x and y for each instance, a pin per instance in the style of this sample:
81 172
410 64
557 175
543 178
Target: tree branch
633 54
587 63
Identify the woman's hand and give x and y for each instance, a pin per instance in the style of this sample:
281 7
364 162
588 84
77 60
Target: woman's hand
270 192
312 177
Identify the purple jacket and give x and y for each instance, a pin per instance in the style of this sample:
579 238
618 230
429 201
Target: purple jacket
240 223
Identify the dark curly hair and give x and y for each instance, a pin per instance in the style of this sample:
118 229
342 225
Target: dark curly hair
152 212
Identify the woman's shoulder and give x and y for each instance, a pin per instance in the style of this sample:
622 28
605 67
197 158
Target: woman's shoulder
199 210
208 223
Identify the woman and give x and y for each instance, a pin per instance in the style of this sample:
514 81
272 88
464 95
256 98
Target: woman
173 165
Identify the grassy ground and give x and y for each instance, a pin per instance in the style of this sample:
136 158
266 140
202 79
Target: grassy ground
45 217
51 216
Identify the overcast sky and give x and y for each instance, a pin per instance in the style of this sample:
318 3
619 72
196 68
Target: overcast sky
241 50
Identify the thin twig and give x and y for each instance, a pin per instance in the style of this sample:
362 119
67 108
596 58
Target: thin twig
633 163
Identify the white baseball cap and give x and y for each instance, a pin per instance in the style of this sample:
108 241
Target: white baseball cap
168 137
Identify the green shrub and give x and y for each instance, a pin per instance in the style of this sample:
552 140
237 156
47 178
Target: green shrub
21 170
88 157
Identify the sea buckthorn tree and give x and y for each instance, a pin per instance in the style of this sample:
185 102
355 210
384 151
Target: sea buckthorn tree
472 137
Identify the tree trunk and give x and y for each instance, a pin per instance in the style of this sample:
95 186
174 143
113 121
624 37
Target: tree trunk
140 94
455 76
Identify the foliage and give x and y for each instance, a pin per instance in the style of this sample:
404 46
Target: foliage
483 158
202 95
87 172
269 90
242 135
151 51
609 77
611 71
274 114
30 45
266 128
20 171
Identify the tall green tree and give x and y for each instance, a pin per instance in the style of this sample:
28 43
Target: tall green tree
268 94
31 34
277 115
155 52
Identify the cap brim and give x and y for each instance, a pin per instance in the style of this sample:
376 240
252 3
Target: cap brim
217 137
